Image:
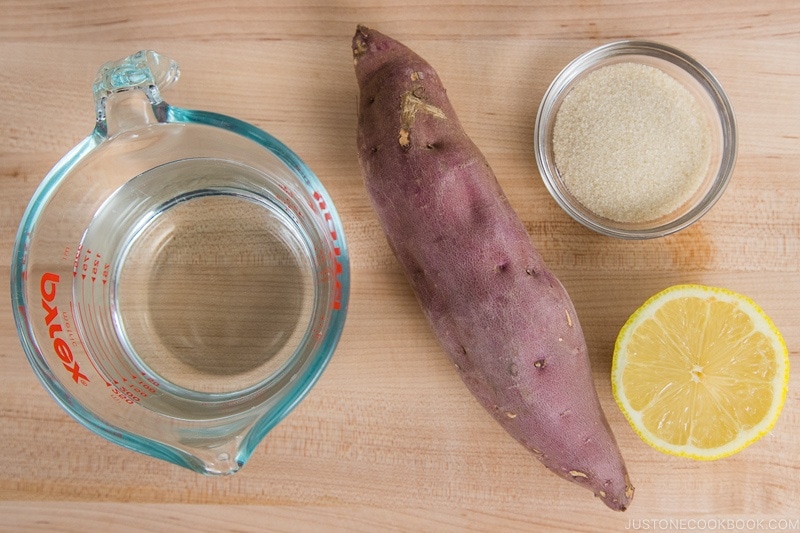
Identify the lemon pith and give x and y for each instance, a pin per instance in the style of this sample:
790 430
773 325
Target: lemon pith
700 372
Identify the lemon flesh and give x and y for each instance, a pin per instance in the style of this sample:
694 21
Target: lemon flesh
700 372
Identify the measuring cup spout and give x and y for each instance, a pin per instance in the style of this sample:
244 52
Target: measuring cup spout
222 459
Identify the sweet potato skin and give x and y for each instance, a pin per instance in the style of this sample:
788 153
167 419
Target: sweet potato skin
505 321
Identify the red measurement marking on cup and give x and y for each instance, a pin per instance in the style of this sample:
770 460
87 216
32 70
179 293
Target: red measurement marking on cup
119 395
337 251
289 201
136 391
151 380
76 260
89 342
101 346
85 264
140 387
91 267
86 351
116 393
94 274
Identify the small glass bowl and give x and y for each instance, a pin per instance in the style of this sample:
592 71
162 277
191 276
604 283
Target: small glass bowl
701 84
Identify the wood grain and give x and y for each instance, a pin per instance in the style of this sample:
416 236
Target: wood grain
389 439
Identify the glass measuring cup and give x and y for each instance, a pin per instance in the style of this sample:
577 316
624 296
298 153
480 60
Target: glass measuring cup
180 278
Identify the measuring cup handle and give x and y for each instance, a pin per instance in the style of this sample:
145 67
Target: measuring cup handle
146 71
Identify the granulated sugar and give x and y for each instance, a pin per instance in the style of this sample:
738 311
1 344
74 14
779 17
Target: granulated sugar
631 143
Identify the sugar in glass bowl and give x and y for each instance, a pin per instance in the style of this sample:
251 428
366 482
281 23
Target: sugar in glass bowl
650 93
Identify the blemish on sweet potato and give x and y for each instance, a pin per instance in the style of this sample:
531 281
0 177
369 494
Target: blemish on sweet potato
629 490
413 102
359 44
404 137
462 360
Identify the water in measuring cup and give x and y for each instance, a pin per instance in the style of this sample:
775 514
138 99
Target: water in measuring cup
211 280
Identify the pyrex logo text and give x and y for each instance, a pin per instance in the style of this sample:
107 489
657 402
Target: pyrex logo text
48 287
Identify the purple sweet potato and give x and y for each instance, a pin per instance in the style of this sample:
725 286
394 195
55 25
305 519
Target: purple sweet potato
506 322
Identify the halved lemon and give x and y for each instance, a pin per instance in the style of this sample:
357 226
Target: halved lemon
700 372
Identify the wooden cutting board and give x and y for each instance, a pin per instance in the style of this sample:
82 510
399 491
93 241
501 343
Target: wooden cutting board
389 439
